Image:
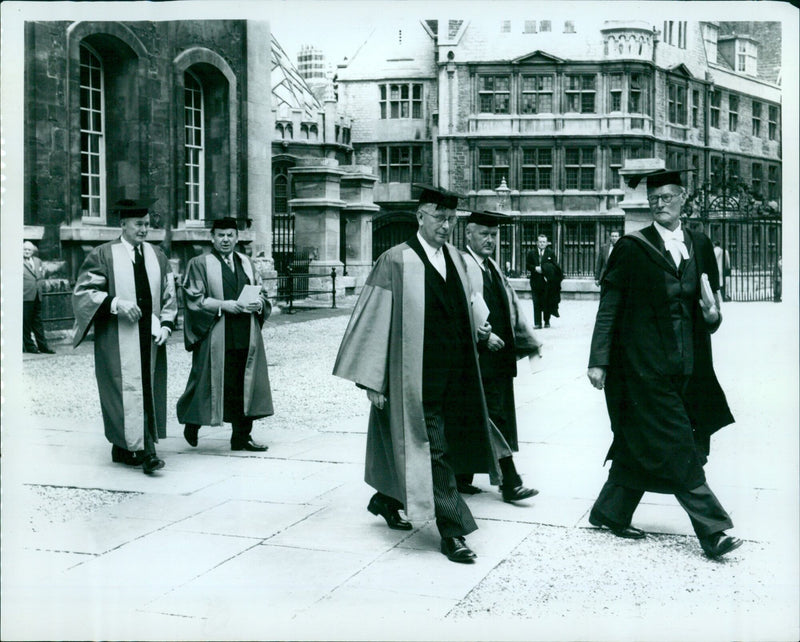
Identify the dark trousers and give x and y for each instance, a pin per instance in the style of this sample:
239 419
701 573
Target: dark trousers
32 324
453 517
233 397
511 478
617 503
540 307
150 429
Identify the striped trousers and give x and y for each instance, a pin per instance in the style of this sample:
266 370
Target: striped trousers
453 517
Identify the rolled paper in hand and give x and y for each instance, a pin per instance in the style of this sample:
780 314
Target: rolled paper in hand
706 293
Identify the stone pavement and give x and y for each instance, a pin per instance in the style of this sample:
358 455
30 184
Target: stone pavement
224 545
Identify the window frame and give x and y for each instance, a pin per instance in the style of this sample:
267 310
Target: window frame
714 108
194 210
615 93
580 92
772 123
756 111
536 170
536 93
391 163
581 169
88 151
404 101
676 103
492 170
733 112
493 93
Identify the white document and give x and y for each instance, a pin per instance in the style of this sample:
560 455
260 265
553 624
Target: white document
155 326
480 311
250 294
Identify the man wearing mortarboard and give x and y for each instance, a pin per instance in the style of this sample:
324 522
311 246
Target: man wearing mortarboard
127 290
511 338
229 381
410 344
651 353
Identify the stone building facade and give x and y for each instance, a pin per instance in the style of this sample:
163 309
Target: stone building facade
553 110
204 116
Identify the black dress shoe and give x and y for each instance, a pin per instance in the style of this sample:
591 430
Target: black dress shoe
123 456
250 446
31 350
377 506
537 327
151 464
719 544
190 434
457 550
467 489
517 493
46 350
626 532
547 325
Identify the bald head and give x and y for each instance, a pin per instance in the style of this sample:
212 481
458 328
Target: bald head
28 249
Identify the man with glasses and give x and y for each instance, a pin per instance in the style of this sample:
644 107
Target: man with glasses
127 290
410 344
651 354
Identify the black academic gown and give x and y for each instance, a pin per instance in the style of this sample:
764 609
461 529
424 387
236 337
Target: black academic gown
663 398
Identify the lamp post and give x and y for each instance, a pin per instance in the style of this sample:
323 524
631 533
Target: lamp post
502 192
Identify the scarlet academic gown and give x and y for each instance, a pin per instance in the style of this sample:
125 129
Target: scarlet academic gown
650 334
202 402
498 368
107 273
382 350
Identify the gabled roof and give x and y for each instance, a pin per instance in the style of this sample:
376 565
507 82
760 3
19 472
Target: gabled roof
289 89
681 69
537 56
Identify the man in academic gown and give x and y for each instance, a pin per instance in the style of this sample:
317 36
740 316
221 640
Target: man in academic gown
511 338
545 277
651 353
410 344
127 290
32 276
229 379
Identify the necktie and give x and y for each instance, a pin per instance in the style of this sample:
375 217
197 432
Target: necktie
139 259
439 263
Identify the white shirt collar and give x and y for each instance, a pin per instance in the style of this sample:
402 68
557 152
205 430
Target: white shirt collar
130 248
665 234
430 251
478 259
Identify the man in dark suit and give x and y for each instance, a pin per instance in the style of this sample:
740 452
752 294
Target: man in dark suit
602 257
511 338
651 353
545 276
410 344
32 275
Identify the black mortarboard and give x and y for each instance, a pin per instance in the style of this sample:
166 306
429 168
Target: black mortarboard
437 195
225 223
658 177
489 219
130 208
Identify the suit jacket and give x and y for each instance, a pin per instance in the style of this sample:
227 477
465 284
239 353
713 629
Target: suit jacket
549 264
602 261
31 277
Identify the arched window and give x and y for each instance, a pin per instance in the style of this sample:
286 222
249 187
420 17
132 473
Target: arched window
92 108
194 142
278 130
289 131
313 133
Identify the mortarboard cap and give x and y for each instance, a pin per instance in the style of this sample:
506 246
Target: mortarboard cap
225 223
437 195
489 219
658 178
130 208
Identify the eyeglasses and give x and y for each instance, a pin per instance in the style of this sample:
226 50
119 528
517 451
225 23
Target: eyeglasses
441 219
667 198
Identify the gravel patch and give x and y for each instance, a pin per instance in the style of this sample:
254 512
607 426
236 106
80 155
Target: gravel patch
50 505
603 576
300 357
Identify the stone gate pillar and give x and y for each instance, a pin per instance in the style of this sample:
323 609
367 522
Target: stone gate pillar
356 191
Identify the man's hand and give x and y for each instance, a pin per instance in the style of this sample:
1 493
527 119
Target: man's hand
376 398
163 336
495 343
538 268
484 331
597 376
231 307
128 310
709 301
254 307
